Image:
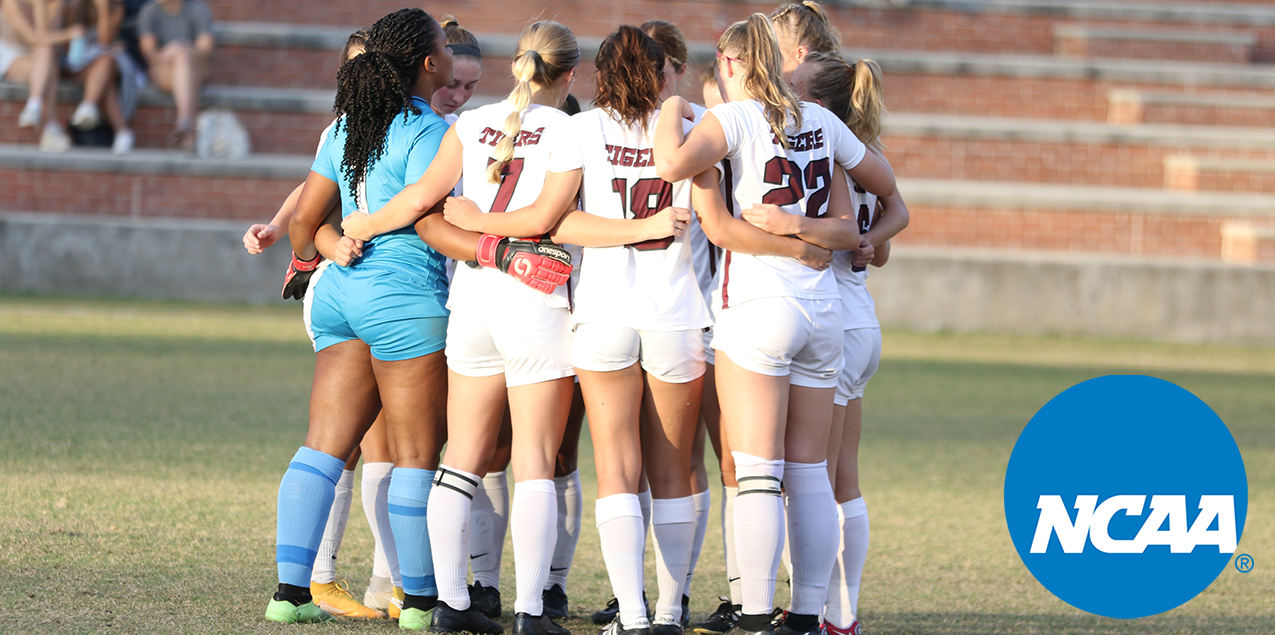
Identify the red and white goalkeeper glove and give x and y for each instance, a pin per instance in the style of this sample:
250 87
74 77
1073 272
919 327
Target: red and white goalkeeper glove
540 264
297 280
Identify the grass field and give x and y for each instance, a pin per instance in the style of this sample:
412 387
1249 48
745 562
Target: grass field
141 445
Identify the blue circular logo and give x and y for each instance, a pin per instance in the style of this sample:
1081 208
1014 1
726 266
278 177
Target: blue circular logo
1126 496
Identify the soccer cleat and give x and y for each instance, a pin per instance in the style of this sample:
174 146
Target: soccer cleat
642 627
395 610
853 629
777 617
335 598
555 601
613 609
415 619
686 612
486 599
662 627
378 593
470 620
739 631
289 613
525 624
723 619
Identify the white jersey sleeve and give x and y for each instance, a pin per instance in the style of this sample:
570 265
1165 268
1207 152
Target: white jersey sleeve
479 131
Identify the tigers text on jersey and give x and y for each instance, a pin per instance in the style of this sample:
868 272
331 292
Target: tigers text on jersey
857 307
798 180
649 285
479 131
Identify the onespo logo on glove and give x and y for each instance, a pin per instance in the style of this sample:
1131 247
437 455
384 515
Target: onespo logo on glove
1126 496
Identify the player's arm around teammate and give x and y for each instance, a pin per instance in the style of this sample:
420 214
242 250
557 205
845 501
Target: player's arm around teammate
390 301
775 337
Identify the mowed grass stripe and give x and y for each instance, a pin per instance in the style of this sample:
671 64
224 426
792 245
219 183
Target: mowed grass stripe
139 464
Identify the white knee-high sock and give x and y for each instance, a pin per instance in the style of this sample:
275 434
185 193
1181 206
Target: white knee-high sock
673 521
703 501
376 489
759 529
619 519
489 519
812 521
534 523
325 563
570 510
644 499
448 514
842 608
728 545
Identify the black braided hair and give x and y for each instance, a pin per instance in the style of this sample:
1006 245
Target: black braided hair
373 88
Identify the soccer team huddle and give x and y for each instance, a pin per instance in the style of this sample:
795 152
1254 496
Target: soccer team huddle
476 285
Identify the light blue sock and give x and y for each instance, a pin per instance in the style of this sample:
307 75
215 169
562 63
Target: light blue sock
409 492
305 498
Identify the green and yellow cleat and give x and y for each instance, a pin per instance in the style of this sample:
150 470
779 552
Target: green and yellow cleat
414 619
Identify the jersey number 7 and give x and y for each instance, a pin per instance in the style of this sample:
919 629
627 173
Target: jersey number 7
645 199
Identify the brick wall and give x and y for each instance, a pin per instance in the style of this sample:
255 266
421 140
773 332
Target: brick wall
250 200
1078 231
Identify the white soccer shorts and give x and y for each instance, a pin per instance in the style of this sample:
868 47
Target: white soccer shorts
529 344
862 354
673 357
784 336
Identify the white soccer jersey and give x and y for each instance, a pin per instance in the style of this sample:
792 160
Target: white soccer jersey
799 180
705 255
479 130
646 286
857 308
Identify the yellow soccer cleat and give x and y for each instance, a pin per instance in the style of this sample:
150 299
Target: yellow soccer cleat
335 598
396 603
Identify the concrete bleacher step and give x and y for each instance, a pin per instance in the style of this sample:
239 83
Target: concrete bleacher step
985 26
1247 243
1096 219
1190 172
1132 106
1060 151
1079 40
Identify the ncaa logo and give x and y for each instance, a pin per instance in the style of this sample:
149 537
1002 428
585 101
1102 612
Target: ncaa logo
1126 496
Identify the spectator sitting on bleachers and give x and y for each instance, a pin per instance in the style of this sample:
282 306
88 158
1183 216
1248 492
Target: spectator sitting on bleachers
176 38
29 37
97 61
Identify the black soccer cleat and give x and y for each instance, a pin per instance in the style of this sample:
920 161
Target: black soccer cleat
525 624
470 620
723 619
486 599
686 612
555 600
612 609
794 624
667 628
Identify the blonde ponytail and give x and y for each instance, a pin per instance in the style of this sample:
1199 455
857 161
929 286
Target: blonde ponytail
546 51
807 24
753 43
853 92
867 103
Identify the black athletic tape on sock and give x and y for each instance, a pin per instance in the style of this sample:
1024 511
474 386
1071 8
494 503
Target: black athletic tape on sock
444 473
422 602
296 595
